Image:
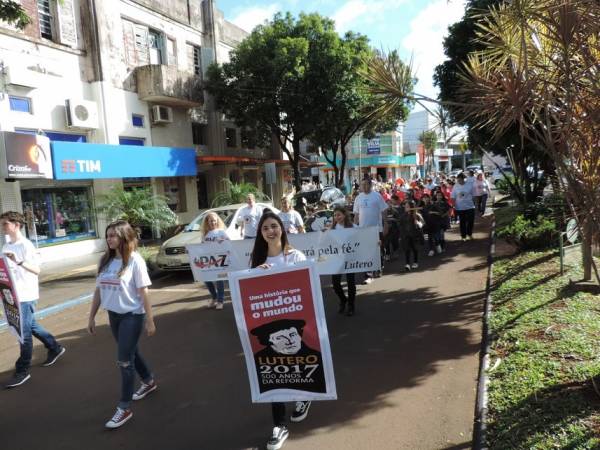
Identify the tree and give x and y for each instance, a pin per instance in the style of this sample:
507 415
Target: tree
538 71
236 193
139 206
13 13
429 140
277 79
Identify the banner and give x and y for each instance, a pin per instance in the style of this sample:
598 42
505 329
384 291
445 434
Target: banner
281 321
345 250
10 301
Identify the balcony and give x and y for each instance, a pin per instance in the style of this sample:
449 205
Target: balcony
168 86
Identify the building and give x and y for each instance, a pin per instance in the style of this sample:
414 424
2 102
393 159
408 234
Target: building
444 155
123 78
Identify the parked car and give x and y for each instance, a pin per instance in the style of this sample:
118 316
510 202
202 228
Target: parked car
173 255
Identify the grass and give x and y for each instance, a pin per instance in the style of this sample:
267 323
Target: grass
544 353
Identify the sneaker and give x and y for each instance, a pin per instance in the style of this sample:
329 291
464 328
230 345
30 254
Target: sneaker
53 356
414 266
431 253
219 305
280 434
464 239
300 412
350 312
438 249
212 303
368 281
144 390
120 417
470 237
17 380
407 267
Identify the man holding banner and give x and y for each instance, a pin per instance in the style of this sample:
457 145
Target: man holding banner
24 268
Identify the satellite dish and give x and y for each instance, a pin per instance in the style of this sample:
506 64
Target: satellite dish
572 232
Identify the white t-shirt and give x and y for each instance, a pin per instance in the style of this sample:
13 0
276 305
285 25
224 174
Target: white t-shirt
291 221
26 283
215 235
121 295
342 227
481 187
369 208
250 217
462 194
294 256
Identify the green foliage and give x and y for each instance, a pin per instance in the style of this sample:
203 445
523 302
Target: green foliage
429 140
236 193
13 13
139 207
538 233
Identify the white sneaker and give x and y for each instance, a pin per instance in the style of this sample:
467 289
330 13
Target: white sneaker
414 266
407 267
438 249
431 253
219 305
300 412
278 437
212 303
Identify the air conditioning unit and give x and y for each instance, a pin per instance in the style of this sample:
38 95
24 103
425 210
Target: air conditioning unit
162 114
81 113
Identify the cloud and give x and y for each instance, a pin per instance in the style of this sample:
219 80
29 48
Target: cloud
365 11
248 18
425 40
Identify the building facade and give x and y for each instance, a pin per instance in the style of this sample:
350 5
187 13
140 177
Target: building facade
123 74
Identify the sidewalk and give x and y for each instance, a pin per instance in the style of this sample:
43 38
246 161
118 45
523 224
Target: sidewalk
79 266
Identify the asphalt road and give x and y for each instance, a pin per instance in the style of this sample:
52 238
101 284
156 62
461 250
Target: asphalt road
405 365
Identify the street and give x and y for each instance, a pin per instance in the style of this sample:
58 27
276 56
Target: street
405 365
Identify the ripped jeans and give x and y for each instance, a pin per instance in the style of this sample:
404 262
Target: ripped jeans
127 328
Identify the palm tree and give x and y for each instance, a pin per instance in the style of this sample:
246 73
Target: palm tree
237 193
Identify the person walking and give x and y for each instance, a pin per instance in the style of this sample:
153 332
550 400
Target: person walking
272 249
462 194
24 267
250 215
122 289
369 210
292 221
481 191
213 230
411 233
341 219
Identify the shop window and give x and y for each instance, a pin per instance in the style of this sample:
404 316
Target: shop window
199 133
57 215
137 120
20 104
231 137
175 193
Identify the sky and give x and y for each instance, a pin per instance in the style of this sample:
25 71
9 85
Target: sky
413 27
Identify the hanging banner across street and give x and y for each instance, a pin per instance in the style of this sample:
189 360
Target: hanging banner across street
346 250
281 321
10 301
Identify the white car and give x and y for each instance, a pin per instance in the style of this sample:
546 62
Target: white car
173 255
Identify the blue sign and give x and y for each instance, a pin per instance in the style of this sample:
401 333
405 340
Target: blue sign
79 161
373 146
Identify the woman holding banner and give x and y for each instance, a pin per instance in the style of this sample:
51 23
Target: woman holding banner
341 219
122 289
271 248
213 230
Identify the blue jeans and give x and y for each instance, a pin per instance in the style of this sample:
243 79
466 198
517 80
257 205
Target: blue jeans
127 328
216 292
32 328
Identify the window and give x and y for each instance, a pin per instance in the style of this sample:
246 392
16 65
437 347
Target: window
45 18
131 141
199 133
175 193
20 104
197 64
248 139
137 120
155 44
230 137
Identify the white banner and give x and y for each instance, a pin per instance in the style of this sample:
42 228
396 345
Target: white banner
346 250
281 321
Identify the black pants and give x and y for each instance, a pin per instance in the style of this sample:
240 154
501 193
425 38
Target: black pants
278 410
467 219
337 287
410 246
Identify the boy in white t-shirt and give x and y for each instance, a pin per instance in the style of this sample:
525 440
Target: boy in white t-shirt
24 267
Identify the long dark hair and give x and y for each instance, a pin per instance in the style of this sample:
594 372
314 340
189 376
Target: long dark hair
261 247
347 221
127 245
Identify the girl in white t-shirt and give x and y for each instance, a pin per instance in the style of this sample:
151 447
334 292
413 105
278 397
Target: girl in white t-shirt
122 289
341 219
271 248
213 230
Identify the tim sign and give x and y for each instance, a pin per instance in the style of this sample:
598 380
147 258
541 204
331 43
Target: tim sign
25 156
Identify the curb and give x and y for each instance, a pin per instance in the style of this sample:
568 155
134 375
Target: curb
479 428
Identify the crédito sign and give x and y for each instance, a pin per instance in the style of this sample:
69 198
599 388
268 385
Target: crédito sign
281 322
345 250
10 301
